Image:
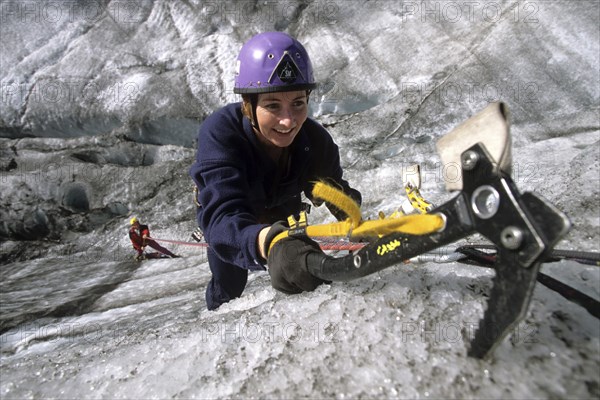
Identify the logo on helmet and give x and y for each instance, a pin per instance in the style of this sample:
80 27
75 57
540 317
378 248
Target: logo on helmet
286 70
287 74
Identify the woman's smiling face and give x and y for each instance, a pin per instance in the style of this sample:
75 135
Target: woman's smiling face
280 116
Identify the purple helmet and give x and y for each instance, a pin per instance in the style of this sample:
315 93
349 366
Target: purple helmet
273 62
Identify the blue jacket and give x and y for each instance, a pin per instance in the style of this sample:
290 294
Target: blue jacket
241 190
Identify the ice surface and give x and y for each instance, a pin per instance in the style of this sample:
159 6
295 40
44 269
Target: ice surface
100 105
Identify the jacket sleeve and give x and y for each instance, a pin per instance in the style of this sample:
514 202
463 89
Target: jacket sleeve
225 217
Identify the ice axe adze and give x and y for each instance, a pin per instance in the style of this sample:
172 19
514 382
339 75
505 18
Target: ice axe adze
524 227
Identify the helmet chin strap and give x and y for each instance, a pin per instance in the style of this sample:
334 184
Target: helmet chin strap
253 106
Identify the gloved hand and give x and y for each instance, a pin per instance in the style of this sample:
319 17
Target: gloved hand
287 262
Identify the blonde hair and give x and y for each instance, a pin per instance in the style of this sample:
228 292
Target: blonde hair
247 106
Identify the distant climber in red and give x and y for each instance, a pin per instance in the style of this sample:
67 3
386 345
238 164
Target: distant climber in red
140 238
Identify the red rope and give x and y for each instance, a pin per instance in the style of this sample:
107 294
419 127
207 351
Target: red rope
180 242
323 243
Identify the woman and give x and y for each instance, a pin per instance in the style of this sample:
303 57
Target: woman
254 160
